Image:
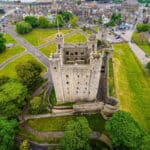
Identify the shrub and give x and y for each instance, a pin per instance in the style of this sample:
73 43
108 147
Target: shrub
143 27
37 105
2 43
23 27
148 65
33 21
52 98
43 22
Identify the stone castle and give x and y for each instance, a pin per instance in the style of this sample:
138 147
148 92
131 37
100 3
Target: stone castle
76 70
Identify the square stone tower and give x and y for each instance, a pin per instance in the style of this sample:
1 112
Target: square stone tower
76 70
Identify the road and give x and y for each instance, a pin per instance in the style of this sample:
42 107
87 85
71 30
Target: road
31 49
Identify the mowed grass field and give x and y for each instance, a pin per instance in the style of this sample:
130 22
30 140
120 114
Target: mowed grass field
145 46
96 123
9 69
40 36
76 38
48 50
9 52
132 84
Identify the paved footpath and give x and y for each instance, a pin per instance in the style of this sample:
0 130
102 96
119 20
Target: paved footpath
12 59
140 54
30 49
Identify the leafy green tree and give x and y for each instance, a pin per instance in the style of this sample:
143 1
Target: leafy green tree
33 21
145 142
66 15
43 22
2 43
116 17
8 130
124 131
74 21
24 145
37 105
143 27
77 135
79 2
23 27
148 65
118 1
29 73
59 21
3 80
12 98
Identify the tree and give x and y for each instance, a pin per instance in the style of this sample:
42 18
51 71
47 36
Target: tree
8 130
148 65
145 143
125 132
23 27
37 105
116 18
33 21
12 98
77 135
59 21
3 80
24 145
66 15
43 22
29 73
74 21
2 43
143 27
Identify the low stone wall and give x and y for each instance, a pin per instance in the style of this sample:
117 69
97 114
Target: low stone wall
88 107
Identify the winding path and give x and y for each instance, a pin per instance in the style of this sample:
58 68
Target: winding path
12 59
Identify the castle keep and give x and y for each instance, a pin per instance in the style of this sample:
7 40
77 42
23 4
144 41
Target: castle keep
76 70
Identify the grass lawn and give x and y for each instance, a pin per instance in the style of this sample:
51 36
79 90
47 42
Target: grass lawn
40 36
132 84
76 38
48 50
9 39
9 52
111 79
145 46
96 28
96 123
9 69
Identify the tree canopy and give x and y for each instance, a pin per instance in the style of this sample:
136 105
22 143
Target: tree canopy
143 27
24 145
74 21
77 135
66 15
2 43
8 130
29 73
124 131
59 21
12 98
37 105
43 22
23 27
33 21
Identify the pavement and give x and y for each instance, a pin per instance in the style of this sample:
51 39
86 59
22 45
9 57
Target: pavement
139 53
